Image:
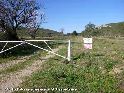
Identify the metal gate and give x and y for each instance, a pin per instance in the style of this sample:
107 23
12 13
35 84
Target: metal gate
45 41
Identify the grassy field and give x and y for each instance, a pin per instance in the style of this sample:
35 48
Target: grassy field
100 70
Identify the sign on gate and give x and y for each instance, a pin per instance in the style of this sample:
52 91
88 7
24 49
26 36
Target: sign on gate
87 43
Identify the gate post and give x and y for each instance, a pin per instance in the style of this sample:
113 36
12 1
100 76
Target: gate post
69 50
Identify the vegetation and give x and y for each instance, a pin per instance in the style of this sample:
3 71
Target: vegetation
74 33
16 13
91 71
41 34
100 70
89 29
108 30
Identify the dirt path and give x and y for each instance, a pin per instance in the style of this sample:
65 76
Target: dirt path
11 63
15 79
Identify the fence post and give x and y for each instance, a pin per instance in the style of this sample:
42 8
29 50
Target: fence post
69 50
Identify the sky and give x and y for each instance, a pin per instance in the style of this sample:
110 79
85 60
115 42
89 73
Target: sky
75 14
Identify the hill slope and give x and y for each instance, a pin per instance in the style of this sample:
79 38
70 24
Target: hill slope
23 33
111 29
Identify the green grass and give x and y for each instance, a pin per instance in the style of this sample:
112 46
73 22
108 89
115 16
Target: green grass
60 75
88 72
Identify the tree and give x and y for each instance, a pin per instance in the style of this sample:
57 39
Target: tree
16 13
74 33
89 29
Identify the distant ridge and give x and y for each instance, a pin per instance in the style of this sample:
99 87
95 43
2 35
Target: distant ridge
40 33
111 29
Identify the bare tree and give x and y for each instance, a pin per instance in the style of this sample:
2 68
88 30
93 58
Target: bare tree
15 13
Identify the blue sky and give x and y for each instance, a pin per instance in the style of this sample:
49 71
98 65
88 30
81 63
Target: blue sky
75 14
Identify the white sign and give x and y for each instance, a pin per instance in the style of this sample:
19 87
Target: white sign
87 40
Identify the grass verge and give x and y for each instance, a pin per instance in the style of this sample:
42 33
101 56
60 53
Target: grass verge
89 74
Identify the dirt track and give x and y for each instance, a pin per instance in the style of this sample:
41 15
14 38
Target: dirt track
15 79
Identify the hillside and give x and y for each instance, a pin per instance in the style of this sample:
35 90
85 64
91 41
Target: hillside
41 33
48 33
111 29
